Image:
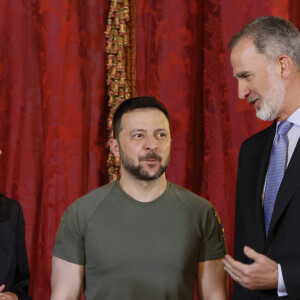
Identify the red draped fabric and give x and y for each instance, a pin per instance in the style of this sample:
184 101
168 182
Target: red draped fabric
53 104
53 115
183 59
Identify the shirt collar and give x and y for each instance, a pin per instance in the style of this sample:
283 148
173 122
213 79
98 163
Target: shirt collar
295 117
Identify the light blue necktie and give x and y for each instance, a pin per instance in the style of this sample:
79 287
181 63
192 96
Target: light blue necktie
276 169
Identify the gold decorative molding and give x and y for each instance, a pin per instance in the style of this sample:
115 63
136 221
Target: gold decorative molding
121 69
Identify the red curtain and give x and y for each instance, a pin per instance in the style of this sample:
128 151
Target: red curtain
53 104
53 115
183 59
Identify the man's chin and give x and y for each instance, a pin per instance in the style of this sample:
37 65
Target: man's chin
144 171
149 176
265 117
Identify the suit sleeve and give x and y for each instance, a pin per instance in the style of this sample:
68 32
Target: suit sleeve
240 226
291 277
22 278
239 241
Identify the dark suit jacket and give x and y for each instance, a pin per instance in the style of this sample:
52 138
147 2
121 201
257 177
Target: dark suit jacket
14 270
283 241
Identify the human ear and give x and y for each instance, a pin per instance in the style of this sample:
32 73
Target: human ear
285 63
114 147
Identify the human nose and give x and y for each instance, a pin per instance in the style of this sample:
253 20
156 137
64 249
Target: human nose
243 90
150 143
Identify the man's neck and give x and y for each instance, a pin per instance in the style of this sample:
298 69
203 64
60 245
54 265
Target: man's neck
143 190
292 99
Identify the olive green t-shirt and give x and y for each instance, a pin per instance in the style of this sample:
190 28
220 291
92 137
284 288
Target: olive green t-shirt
136 250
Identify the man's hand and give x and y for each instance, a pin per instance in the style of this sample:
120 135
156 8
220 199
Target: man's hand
262 274
7 295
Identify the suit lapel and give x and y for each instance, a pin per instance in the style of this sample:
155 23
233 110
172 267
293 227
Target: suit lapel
259 221
289 184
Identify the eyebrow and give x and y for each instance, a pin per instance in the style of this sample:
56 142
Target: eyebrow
143 130
137 130
161 129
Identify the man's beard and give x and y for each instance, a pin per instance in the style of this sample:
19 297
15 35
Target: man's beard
272 103
137 171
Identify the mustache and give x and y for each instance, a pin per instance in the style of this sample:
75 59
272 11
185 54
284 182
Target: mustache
150 156
252 99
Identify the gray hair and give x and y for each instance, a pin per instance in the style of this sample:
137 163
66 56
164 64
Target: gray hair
272 36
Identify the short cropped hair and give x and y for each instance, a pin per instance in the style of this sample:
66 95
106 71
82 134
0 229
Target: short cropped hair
133 104
272 36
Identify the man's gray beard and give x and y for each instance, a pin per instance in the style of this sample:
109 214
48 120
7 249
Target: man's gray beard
138 172
272 103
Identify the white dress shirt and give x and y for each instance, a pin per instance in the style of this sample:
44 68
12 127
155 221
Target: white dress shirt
293 136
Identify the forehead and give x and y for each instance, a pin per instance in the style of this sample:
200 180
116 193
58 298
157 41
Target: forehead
244 57
143 118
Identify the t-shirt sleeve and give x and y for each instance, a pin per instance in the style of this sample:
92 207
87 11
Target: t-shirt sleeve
213 244
69 239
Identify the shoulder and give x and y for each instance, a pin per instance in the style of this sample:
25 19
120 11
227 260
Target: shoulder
77 216
190 199
204 216
9 203
9 208
95 196
87 204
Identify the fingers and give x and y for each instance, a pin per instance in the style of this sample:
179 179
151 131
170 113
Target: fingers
233 264
261 274
252 253
2 287
237 268
8 296
234 277
233 267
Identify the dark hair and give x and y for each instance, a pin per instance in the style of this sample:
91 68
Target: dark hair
272 36
132 104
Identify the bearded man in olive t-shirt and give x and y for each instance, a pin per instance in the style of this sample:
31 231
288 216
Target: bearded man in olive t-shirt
140 237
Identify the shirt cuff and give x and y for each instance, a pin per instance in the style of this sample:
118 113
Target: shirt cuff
281 290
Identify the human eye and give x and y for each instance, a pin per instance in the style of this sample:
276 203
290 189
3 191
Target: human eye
246 76
161 135
137 136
